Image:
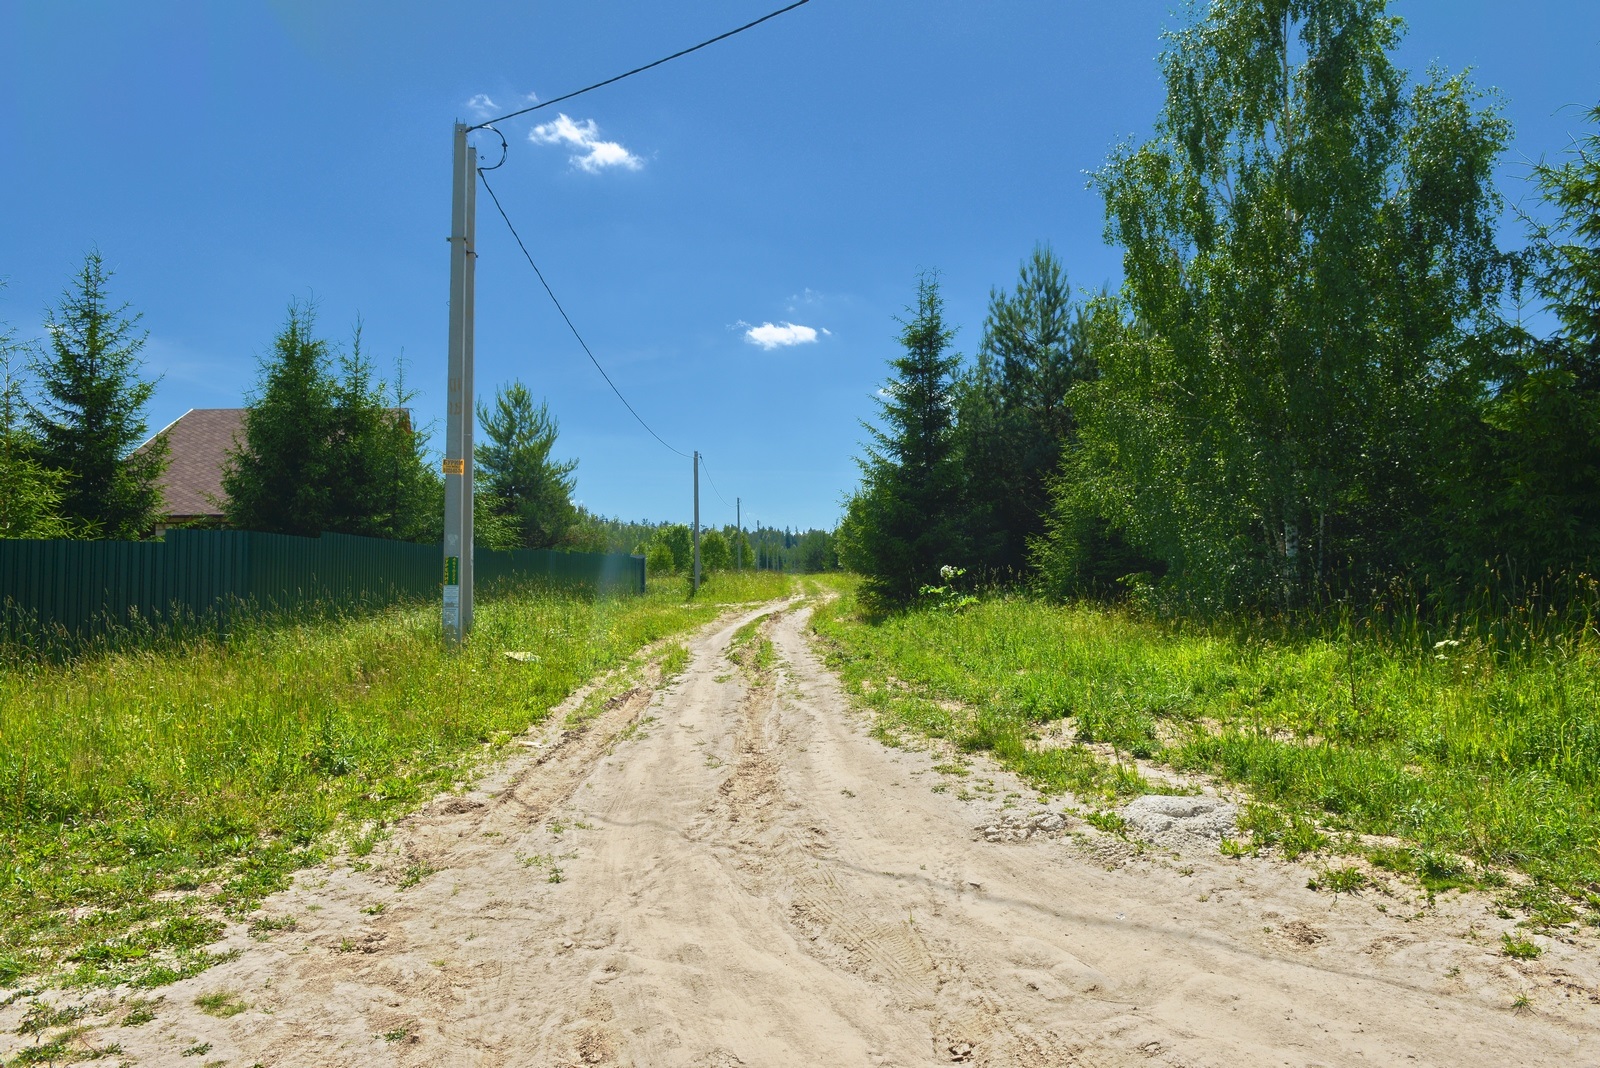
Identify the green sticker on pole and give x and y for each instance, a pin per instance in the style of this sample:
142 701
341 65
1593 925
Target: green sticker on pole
452 571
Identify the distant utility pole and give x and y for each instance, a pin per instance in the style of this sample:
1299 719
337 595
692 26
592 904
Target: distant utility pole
457 614
738 544
697 521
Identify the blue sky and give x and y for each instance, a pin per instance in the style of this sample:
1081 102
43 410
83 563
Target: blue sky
227 157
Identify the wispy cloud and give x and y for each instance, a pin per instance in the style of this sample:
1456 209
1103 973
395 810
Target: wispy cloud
482 107
780 335
592 154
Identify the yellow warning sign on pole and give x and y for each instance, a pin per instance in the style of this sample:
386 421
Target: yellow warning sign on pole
454 467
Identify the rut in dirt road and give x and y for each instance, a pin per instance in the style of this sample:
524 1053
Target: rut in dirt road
728 870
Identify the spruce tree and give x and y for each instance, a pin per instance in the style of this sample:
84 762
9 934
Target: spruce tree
30 494
1014 415
91 415
277 479
906 519
525 484
328 452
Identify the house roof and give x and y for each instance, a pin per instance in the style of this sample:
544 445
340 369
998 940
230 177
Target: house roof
198 442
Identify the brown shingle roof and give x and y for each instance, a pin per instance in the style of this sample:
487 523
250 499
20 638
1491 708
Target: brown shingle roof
198 442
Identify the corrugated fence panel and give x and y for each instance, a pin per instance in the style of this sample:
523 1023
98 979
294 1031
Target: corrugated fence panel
83 587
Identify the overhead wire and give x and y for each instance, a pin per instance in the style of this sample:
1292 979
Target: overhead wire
713 482
647 66
489 125
568 320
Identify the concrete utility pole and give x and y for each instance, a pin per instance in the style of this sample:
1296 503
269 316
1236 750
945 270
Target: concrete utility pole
457 614
738 522
697 521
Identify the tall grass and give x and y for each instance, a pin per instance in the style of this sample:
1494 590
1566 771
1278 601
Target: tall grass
143 791
1478 740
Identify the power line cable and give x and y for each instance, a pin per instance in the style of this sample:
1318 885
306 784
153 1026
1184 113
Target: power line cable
647 66
568 321
713 482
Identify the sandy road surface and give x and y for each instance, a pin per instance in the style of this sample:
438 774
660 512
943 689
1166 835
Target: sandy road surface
747 878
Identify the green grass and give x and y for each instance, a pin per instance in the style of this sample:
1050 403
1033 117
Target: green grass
146 794
751 649
221 1004
1479 752
1519 948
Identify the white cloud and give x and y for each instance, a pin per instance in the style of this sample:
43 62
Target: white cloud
481 106
773 335
594 155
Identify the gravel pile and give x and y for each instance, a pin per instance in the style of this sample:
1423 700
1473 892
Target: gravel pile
1181 822
1017 826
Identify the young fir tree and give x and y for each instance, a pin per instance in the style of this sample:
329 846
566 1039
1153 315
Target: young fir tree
1014 415
277 479
91 415
522 481
905 520
327 453
379 461
30 493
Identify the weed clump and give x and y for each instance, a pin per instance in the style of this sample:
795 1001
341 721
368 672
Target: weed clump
1519 948
221 1004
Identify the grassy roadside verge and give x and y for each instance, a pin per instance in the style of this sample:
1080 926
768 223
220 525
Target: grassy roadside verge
1476 757
145 794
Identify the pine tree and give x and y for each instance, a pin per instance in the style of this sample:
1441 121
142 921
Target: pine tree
526 485
905 520
92 413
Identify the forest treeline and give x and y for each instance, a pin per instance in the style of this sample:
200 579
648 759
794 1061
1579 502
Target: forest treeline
1322 378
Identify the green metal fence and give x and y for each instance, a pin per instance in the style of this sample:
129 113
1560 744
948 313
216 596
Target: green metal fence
80 588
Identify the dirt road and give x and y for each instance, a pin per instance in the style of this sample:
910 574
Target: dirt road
728 870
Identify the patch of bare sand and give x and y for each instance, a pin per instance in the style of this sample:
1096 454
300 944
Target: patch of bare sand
730 871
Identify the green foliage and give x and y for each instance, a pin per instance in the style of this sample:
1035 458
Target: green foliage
741 552
714 554
1519 948
91 413
947 597
1110 822
1013 415
1308 244
31 494
809 551
1526 491
1345 880
1568 251
906 519
329 452
959 680
679 541
658 559
601 534
523 482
